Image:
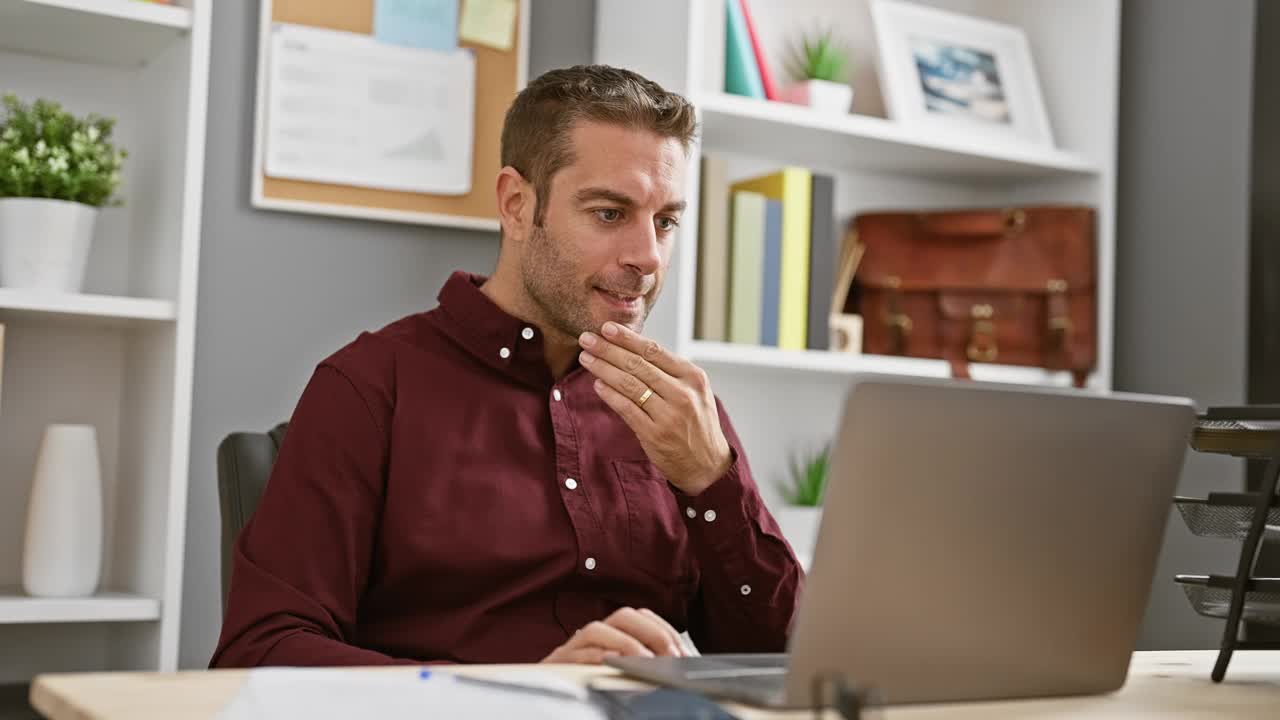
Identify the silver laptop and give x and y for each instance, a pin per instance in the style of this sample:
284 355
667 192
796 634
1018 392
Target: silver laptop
978 542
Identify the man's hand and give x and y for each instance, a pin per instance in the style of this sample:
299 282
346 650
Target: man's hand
627 631
666 400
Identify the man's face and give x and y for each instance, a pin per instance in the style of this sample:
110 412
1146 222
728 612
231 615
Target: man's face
605 242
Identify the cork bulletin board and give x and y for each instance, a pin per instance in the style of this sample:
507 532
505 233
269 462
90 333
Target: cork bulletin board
500 74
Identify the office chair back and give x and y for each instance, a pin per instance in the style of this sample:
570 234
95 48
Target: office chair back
245 460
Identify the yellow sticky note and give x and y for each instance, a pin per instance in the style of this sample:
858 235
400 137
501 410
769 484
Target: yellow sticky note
488 22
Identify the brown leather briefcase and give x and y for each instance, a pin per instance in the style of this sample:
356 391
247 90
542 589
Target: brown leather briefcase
1011 286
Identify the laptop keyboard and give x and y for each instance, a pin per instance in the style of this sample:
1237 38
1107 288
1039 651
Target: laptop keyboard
725 667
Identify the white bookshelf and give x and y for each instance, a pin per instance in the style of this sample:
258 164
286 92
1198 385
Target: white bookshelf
25 305
792 134
113 32
15 608
782 400
118 356
835 363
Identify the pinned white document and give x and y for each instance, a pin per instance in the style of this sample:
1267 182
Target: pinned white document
344 108
392 694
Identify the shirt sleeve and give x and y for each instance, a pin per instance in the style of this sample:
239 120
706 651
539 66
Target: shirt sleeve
750 578
303 559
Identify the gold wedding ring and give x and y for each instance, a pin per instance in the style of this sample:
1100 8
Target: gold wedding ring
648 392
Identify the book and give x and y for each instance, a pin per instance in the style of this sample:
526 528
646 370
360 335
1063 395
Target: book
822 260
850 257
771 281
746 277
792 186
741 74
711 312
757 48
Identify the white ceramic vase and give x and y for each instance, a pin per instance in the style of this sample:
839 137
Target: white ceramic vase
821 95
44 244
62 554
800 527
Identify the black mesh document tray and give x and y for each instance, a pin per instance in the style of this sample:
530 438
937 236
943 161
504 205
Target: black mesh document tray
1210 595
1225 515
1252 432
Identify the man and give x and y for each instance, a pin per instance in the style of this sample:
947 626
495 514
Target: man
519 475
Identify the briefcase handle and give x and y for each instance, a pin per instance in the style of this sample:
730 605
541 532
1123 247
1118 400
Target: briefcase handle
973 224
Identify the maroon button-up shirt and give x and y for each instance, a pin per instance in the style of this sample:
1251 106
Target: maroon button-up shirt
440 497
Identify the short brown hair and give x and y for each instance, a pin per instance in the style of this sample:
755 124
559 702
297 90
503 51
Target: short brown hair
535 133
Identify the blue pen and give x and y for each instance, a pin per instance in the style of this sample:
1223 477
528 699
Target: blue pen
509 686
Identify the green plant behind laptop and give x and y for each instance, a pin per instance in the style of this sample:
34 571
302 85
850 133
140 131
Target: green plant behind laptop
47 152
819 57
808 481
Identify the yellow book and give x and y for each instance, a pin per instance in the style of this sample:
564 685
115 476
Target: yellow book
793 187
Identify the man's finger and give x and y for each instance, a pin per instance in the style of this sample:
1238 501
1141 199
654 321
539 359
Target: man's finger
589 655
671 631
604 636
626 384
646 630
630 363
647 348
635 418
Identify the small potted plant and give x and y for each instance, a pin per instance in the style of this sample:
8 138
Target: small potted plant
819 65
803 493
56 171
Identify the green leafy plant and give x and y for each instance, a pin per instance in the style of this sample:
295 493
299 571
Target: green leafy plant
818 57
47 152
808 479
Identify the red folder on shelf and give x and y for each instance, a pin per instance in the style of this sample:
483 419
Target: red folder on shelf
766 78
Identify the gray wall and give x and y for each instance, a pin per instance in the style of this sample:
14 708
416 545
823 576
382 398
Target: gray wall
280 291
1185 112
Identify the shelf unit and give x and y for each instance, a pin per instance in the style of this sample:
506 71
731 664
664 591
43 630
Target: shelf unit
792 134
102 607
87 309
118 356
108 32
836 363
878 164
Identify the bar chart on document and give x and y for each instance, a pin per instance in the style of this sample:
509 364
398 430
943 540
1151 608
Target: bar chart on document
347 109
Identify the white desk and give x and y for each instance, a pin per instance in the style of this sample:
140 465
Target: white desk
1166 685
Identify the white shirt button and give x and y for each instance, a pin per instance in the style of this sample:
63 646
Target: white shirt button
504 353
691 512
571 483
527 333
556 394
709 516
590 563
745 589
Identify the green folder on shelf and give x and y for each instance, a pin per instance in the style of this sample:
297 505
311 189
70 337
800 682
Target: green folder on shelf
741 73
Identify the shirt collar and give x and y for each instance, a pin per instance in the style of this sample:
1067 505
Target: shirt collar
497 339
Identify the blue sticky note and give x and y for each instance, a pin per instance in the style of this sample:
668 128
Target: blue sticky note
429 24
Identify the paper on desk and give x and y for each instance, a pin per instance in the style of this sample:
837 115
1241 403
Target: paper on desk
344 108
488 22
321 694
431 24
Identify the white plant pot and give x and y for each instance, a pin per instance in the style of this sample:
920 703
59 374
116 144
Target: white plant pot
62 552
44 244
800 527
821 95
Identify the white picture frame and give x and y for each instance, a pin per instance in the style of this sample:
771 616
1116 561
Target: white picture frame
949 73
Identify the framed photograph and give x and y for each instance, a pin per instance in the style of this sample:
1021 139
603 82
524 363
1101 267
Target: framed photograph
957 73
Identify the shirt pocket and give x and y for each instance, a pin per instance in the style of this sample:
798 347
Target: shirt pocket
657 541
